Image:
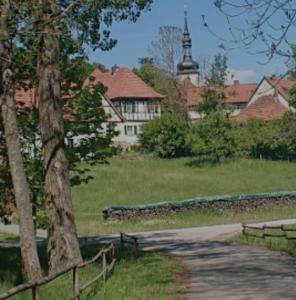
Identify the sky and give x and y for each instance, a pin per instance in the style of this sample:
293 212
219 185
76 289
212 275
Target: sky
134 39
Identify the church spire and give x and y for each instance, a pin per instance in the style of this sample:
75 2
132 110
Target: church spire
188 68
187 45
186 30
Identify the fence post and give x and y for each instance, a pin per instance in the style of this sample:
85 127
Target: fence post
264 231
76 283
121 240
244 229
104 266
136 246
35 293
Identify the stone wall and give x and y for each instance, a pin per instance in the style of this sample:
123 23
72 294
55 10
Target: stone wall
239 203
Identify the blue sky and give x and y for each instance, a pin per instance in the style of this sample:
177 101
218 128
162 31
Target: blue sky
133 39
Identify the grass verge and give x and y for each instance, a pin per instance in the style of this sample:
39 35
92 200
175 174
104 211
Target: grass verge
152 275
277 244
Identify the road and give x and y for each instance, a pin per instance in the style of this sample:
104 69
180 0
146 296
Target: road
223 271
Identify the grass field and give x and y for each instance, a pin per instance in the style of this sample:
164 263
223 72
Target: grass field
152 275
141 180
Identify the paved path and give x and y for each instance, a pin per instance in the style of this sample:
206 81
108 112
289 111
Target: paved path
224 271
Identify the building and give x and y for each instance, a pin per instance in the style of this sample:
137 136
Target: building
129 102
267 100
188 69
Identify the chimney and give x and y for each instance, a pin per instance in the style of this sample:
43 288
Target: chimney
236 82
113 69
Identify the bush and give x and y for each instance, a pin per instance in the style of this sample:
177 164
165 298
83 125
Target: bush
251 134
280 144
212 138
165 137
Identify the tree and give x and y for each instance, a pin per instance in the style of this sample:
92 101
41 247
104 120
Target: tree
165 137
8 24
270 23
57 22
174 101
292 65
213 91
212 139
166 49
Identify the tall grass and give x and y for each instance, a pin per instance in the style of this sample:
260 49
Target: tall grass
140 180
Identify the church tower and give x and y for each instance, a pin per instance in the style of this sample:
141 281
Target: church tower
188 68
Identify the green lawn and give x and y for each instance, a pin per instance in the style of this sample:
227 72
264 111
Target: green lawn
140 180
152 275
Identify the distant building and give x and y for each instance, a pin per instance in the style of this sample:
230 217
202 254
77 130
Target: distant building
129 101
267 100
188 69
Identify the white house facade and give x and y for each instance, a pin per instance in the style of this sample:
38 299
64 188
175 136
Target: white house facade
128 101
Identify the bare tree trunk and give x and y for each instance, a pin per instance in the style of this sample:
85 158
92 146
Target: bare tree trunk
31 265
63 246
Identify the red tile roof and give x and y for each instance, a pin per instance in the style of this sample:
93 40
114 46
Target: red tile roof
265 108
282 85
25 98
235 93
123 83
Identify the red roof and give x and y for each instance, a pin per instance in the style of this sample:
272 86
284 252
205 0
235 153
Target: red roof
123 83
25 98
282 85
235 93
265 108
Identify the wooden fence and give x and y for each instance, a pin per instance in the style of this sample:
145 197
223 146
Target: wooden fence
107 257
280 231
129 239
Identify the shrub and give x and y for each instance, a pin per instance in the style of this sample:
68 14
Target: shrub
165 137
212 138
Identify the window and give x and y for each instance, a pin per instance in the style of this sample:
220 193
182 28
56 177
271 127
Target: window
129 107
152 108
130 130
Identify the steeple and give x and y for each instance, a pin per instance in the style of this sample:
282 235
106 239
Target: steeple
188 68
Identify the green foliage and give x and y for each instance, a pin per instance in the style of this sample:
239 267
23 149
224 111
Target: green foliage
86 140
174 101
84 23
150 275
213 91
249 135
280 144
165 136
293 94
6 191
212 138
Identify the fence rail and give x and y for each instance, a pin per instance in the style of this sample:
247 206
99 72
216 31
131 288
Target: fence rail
282 231
107 257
